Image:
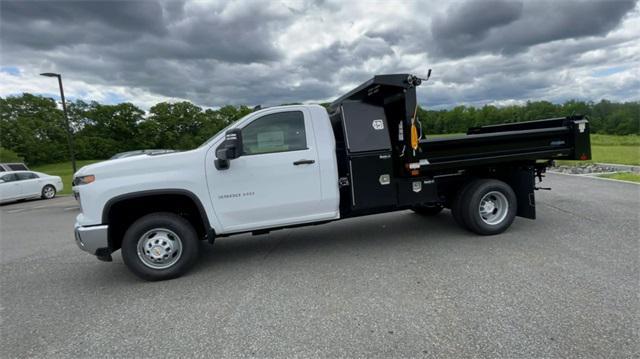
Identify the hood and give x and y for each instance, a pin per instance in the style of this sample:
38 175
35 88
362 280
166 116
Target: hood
140 164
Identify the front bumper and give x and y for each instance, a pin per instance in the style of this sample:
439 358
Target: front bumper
92 239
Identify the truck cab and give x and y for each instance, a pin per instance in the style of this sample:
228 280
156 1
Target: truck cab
284 173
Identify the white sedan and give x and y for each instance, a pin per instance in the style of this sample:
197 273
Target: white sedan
17 185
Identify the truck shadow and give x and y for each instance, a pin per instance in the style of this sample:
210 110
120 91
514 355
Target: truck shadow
378 233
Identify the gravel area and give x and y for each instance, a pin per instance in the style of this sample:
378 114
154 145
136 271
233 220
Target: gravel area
594 168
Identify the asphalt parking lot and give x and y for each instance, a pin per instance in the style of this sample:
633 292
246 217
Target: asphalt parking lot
391 285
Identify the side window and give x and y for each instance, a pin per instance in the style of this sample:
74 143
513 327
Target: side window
9 178
17 167
277 132
26 176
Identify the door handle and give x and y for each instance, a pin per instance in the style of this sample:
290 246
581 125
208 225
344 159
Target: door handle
303 162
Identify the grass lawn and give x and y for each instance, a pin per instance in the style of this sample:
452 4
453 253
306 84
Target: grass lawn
625 176
624 155
615 140
624 150
616 149
63 170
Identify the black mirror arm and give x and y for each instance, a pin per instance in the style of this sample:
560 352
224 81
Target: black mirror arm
221 164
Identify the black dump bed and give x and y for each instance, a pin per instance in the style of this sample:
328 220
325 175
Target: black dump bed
382 168
376 118
556 138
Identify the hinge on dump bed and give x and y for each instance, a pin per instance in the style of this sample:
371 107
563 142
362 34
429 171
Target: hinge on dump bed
343 182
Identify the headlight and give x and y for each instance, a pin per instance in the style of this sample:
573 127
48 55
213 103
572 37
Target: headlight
83 180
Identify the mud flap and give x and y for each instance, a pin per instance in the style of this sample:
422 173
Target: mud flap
522 181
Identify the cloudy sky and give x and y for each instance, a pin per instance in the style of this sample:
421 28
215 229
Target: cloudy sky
244 52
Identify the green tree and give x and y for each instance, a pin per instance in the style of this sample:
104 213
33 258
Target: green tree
104 130
216 120
9 156
173 125
34 128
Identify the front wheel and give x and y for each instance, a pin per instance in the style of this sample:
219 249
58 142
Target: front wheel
488 206
48 192
160 246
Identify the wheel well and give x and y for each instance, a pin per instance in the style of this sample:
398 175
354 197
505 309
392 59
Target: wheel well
122 213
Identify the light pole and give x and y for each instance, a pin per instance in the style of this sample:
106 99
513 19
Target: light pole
66 118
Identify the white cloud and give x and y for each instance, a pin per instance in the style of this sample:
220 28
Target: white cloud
270 53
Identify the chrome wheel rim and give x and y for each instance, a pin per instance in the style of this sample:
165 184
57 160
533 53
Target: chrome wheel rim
159 248
493 208
49 192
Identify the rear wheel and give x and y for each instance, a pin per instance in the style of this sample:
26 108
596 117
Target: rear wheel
427 210
48 192
488 206
458 204
160 246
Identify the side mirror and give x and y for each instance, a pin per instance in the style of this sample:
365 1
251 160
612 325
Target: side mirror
230 149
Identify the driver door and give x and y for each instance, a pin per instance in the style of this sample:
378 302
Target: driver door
275 181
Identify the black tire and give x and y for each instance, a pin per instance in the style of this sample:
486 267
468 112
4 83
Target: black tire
457 204
427 210
169 222
48 192
495 192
